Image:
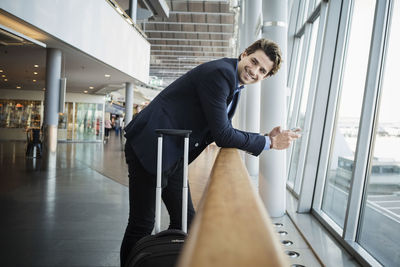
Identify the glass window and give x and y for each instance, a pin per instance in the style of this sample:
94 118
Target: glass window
19 113
303 102
296 75
88 121
62 118
69 112
344 138
306 4
381 206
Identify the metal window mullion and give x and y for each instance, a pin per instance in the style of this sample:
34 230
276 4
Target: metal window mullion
299 91
333 100
293 99
310 103
293 65
367 119
301 76
291 38
307 181
303 13
291 84
305 30
296 45
302 23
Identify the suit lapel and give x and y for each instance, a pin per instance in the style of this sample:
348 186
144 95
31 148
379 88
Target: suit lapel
235 101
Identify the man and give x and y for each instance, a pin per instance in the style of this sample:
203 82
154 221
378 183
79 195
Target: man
202 100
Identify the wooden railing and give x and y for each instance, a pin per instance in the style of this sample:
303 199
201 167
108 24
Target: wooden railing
231 227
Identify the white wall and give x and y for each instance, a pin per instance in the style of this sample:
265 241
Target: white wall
92 26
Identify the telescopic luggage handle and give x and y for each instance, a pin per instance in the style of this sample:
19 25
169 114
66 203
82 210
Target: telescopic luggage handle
185 134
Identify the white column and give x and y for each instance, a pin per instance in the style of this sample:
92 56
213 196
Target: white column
51 98
239 118
253 15
133 9
272 179
128 102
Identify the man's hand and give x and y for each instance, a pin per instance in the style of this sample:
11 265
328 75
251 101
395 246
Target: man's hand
282 139
275 131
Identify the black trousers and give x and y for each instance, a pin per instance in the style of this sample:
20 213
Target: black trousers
142 197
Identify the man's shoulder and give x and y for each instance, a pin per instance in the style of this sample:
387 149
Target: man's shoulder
223 64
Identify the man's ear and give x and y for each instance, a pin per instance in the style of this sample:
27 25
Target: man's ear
242 55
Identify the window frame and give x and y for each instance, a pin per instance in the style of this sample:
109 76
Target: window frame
367 127
318 12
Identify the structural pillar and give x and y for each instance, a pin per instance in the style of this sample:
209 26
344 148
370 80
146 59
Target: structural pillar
239 118
133 9
128 102
272 178
51 98
253 17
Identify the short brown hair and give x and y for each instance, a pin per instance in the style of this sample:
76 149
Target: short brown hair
271 49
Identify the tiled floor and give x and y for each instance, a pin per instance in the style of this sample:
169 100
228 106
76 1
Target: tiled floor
59 214
72 210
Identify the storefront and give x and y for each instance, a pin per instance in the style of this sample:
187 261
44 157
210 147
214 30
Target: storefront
82 119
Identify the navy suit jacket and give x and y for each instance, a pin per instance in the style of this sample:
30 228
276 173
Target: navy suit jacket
196 101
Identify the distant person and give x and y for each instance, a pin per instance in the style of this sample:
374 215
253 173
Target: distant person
117 125
121 123
202 100
107 128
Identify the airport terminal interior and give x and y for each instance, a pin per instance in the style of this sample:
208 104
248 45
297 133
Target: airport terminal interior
74 73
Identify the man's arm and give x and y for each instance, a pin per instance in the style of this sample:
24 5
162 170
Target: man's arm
213 90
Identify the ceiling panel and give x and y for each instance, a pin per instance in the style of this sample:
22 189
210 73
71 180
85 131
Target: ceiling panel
194 33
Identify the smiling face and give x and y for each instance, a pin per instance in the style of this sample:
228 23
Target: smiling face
254 67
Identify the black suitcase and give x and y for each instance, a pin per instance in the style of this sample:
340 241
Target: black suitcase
163 248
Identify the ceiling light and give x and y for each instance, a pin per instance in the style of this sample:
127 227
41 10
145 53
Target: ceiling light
1 70
85 92
18 87
5 80
3 75
107 75
34 81
36 66
35 73
91 87
44 89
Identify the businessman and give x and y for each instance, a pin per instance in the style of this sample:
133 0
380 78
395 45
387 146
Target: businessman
202 100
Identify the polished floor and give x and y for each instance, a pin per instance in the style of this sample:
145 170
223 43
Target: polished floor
60 213
72 209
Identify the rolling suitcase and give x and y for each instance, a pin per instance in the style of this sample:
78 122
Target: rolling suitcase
163 248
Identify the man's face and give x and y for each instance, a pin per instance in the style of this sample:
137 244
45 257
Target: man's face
254 67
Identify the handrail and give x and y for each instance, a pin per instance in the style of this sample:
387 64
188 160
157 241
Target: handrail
231 227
